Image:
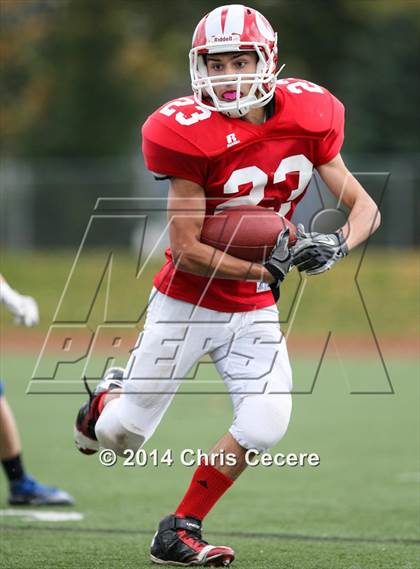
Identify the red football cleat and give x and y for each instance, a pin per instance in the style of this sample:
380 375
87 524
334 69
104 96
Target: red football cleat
84 428
178 542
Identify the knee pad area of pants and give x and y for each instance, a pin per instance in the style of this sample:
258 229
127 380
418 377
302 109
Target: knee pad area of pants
113 435
262 420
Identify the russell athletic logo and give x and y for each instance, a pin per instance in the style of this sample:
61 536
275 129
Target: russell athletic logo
231 139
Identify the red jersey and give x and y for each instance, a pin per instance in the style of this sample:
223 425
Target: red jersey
239 163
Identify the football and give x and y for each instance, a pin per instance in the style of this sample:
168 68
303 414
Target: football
248 232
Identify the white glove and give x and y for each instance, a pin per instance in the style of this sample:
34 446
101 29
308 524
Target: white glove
24 308
315 253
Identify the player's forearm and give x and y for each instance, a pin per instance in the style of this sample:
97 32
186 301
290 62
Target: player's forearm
204 260
23 307
364 219
8 295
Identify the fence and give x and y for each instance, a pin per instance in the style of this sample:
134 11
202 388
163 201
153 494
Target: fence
48 203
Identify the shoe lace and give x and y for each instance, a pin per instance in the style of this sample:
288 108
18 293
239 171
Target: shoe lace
194 535
88 389
28 484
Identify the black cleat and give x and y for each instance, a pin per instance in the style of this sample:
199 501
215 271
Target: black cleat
178 542
84 428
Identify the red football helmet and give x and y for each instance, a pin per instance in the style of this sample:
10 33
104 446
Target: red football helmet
234 28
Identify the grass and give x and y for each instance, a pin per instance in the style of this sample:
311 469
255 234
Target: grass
348 513
388 282
127 552
358 510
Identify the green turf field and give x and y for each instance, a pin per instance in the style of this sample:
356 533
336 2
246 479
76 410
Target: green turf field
358 510
387 280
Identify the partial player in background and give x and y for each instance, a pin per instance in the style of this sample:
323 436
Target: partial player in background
24 490
243 138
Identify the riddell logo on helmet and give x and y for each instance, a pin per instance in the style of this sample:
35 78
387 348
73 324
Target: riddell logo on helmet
231 37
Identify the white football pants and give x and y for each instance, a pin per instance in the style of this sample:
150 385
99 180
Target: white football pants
248 350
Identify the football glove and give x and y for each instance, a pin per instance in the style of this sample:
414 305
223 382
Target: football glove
280 262
315 253
28 313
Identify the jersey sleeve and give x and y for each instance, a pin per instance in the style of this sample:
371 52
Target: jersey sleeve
168 153
330 145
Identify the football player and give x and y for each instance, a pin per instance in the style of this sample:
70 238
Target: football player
24 490
242 137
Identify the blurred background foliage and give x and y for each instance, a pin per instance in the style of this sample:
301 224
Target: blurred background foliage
79 77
